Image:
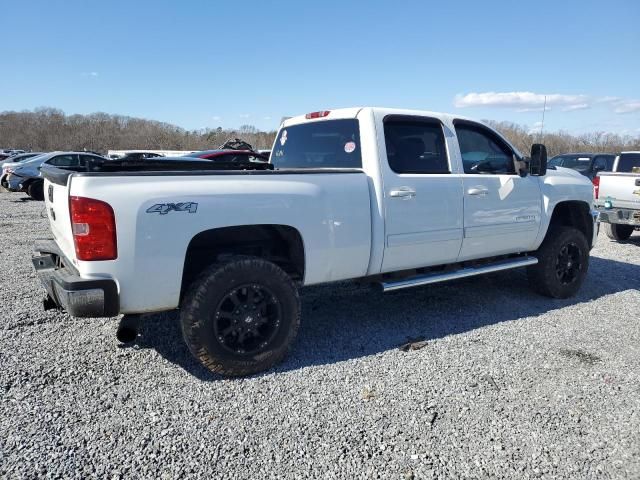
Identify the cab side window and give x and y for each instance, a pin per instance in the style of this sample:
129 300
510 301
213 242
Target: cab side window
483 151
415 145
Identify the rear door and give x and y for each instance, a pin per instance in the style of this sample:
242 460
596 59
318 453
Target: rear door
502 210
423 198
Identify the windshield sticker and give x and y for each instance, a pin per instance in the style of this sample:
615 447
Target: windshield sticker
283 138
350 147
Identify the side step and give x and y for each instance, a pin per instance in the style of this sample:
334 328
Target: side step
463 272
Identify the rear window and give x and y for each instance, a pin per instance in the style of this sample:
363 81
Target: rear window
629 162
323 144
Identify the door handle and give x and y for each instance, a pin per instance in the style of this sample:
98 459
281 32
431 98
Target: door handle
403 192
478 191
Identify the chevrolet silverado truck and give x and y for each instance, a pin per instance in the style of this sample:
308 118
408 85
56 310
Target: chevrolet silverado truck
617 196
396 198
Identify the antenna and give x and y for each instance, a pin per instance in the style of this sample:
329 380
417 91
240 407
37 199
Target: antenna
544 109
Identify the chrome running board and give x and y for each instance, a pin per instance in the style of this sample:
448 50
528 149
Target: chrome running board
461 273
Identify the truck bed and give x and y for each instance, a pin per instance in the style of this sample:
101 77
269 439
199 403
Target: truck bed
312 201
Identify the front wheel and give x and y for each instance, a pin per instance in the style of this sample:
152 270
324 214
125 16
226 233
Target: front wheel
563 261
241 316
618 232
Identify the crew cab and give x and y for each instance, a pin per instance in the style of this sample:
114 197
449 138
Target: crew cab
617 196
396 198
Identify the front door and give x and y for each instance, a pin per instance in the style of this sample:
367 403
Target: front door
423 199
502 210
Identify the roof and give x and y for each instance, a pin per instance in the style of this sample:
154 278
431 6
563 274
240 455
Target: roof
353 112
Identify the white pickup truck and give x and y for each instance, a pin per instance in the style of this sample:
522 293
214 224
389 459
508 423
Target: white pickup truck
398 198
617 196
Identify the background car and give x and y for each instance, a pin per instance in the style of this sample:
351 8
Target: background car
21 157
230 155
25 176
588 164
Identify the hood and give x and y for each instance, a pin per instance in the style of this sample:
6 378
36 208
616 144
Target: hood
567 172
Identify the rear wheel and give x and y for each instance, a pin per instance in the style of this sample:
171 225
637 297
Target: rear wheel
563 261
241 316
36 190
618 232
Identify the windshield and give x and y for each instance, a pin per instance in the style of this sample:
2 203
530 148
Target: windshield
323 144
629 162
576 162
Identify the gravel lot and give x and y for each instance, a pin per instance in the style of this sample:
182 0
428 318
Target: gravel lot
508 385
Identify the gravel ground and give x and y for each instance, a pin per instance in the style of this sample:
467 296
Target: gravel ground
507 385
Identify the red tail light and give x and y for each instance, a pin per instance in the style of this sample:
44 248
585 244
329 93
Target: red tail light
320 114
596 187
94 229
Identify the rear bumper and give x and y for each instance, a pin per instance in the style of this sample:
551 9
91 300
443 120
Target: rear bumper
80 297
622 216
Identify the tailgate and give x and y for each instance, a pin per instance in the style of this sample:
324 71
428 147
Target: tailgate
622 189
56 198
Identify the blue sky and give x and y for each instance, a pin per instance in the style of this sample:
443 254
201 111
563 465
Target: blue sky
222 63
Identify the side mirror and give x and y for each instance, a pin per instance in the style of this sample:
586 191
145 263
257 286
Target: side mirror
538 162
598 168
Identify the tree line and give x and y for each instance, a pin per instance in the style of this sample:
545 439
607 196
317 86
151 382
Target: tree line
49 129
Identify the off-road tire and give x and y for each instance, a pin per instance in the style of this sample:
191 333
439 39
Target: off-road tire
544 277
618 232
36 190
202 302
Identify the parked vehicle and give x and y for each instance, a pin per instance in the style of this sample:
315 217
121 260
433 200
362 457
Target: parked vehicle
588 164
227 155
11 164
25 176
396 198
234 151
21 157
618 196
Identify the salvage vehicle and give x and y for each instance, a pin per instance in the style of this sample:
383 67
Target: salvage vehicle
617 196
20 157
588 164
25 176
395 198
232 151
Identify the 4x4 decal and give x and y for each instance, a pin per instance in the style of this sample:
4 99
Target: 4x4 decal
164 208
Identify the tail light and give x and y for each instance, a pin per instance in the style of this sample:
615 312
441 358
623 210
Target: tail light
94 229
320 114
596 187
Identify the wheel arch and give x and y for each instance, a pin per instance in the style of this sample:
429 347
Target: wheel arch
573 213
280 244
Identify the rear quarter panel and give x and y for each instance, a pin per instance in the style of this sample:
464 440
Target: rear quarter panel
330 211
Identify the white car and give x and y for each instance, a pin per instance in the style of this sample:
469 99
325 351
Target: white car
398 198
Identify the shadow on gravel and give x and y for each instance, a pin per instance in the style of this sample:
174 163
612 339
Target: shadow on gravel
24 200
345 321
